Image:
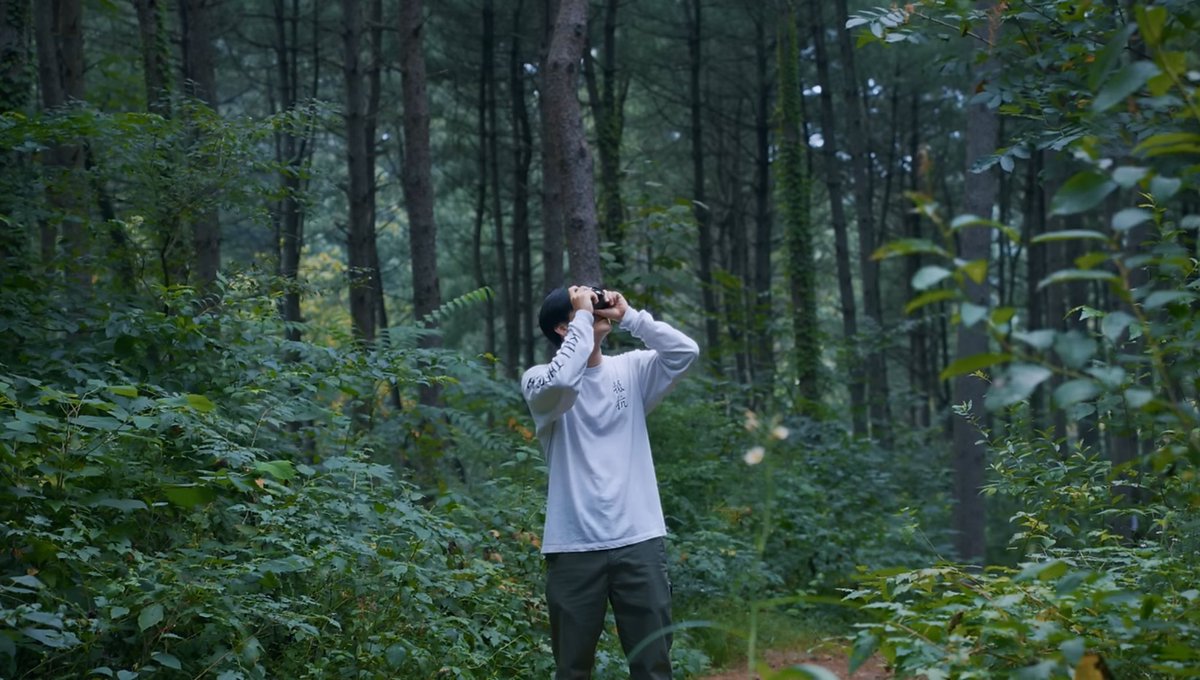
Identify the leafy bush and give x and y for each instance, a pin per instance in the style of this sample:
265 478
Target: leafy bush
179 496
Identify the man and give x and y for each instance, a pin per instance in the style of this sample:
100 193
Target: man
603 539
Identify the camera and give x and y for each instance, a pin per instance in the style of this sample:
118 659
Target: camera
602 301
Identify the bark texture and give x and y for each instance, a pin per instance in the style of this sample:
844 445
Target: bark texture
564 131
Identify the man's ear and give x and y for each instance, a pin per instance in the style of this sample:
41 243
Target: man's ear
561 329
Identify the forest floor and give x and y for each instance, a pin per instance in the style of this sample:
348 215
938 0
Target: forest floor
835 661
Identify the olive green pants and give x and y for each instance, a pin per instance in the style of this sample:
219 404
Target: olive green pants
633 578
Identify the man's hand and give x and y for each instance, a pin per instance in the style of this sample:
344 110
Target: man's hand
582 297
617 306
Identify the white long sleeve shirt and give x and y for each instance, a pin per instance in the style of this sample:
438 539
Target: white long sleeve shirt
591 422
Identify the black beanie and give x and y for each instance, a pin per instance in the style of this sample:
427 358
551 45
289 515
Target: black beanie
556 309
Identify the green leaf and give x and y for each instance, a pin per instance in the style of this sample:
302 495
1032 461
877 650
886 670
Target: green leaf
928 298
1124 82
189 495
1075 391
1015 384
976 270
51 638
1040 339
1109 376
1002 315
29 581
1150 21
1138 397
1127 175
103 423
1129 218
1043 571
1068 275
929 276
122 504
279 469
1114 324
124 390
150 616
1082 192
1074 348
971 314
1168 143
1069 235
1160 298
864 647
909 246
1163 188
199 402
1108 55
167 660
967 221
972 363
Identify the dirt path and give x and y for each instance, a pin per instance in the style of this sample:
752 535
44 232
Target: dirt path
837 662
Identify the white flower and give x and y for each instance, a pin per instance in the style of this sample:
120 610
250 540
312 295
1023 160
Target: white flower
754 456
751 421
780 432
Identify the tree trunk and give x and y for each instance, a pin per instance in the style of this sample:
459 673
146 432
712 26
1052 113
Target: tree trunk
857 136
481 195
608 103
292 153
16 89
762 314
692 10
522 160
974 244
509 302
563 127
361 232
795 204
833 183
418 172
553 218
921 373
200 81
156 68
58 28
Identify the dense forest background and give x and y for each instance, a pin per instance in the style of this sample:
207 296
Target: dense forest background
270 270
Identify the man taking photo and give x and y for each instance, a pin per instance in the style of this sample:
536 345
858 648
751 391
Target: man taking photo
603 538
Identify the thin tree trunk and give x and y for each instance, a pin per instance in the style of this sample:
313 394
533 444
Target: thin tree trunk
833 183
200 76
481 196
694 18
492 139
360 230
857 136
921 372
1035 265
795 206
553 218
58 28
16 89
608 102
522 159
564 130
418 173
763 345
293 150
155 56
974 244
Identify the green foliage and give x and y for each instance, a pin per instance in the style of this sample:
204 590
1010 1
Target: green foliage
1105 535
179 497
